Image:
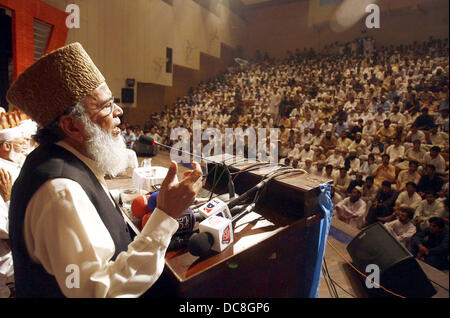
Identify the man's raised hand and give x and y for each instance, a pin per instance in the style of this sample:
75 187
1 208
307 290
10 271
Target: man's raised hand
175 197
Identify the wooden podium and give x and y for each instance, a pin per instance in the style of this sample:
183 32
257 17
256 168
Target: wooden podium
273 250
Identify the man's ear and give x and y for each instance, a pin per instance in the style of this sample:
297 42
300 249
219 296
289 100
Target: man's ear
72 128
6 146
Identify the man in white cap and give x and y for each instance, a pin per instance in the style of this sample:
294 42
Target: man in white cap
13 150
62 219
13 147
352 209
6 264
12 155
307 153
274 106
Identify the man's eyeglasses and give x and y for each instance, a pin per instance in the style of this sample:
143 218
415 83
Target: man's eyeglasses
107 107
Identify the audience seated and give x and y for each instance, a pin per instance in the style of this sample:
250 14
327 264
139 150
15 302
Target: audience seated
384 172
373 121
426 209
14 146
352 209
406 176
383 205
129 137
431 244
402 228
430 181
342 181
408 198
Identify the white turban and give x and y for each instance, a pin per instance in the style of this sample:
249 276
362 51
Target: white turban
29 127
9 134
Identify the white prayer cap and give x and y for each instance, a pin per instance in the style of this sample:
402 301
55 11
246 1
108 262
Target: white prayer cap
10 134
29 127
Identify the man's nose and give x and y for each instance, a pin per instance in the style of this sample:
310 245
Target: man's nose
117 110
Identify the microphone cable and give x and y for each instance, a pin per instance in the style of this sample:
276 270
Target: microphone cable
274 174
254 166
328 283
230 182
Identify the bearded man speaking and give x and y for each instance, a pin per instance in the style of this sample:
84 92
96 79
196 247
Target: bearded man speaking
62 218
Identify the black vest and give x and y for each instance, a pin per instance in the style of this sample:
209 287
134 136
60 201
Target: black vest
45 163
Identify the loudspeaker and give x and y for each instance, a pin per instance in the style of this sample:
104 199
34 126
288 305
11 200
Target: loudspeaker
143 149
168 60
128 95
130 82
399 270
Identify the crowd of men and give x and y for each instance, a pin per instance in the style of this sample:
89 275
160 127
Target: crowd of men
374 121
15 143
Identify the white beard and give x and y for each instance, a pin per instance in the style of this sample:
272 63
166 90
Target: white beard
17 157
109 152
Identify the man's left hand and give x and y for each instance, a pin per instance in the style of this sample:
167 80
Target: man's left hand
5 184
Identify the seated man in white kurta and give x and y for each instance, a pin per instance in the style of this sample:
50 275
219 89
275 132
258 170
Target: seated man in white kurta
352 209
402 228
12 147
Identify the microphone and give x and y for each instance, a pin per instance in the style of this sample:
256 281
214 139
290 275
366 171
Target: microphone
215 207
227 210
200 244
147 140
152 201
186 221
243 212
216 233
246 194
139 206
179 241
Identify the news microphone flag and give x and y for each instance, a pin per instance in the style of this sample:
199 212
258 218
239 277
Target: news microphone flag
215 207
221 230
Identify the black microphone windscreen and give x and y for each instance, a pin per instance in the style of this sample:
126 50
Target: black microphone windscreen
200 244
146 140
178 241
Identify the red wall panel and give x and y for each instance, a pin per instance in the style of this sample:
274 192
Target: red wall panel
23 14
